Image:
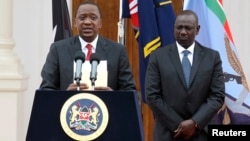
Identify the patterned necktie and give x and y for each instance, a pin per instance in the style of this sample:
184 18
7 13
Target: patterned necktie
89 47
186 66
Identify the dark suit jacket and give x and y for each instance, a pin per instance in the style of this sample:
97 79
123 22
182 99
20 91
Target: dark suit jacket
169 98
57 72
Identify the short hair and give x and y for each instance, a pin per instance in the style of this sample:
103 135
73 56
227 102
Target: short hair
92 3
190 12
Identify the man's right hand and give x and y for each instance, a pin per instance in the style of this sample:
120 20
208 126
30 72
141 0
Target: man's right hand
74 87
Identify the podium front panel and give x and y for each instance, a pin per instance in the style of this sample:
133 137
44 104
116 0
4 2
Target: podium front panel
124 123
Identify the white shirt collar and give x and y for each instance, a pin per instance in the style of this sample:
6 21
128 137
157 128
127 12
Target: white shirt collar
84 43
190 48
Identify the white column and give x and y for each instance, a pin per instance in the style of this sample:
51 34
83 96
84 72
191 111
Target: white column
13 82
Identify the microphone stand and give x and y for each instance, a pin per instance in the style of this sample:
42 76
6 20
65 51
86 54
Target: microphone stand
78 85
92 84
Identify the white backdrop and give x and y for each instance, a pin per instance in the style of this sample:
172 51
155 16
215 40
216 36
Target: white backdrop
238 14
33 36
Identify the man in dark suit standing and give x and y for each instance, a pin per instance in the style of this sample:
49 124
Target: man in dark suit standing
183 109
58 70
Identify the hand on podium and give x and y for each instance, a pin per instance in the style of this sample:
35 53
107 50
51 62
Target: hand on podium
84 86
103 88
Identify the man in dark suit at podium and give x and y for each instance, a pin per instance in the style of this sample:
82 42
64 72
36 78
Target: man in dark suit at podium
57 72
183 109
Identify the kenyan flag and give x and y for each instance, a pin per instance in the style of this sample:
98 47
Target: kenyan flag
215 33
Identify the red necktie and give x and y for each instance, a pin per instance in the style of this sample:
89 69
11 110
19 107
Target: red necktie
89 47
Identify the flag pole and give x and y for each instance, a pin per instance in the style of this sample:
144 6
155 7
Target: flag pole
121 26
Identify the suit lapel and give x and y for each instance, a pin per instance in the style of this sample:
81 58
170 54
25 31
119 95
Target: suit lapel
196 61
174 57
102 48
74 46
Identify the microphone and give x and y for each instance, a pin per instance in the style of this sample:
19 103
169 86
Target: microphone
94 61
79 59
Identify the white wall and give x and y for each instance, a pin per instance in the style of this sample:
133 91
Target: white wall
33 35
238 14
32 29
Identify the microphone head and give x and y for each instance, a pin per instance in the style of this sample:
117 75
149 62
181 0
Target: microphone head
79 55
95 57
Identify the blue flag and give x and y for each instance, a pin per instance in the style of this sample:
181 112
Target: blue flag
61 20
155 28
215 33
